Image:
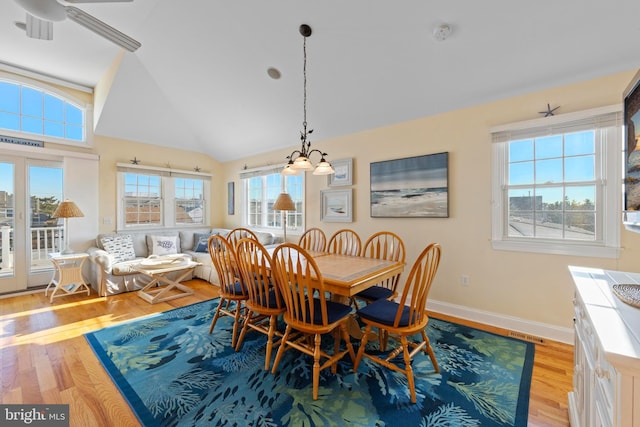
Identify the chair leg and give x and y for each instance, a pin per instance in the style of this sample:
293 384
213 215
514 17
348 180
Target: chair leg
430 352
363 343
272 332
236 322
347 340
243 331
336 348
281 349
215 318
316 366
408 369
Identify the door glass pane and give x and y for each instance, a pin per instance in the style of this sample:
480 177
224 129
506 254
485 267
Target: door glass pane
6 219
47 233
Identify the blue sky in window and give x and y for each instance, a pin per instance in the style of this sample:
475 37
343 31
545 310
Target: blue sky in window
44 181
32 110
540 161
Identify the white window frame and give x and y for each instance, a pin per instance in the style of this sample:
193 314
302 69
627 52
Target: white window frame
264 171
609 156
86 108
168 198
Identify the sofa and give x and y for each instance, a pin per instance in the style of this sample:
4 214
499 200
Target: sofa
114 254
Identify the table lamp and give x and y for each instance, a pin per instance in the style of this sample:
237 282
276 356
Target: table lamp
66 210
284 203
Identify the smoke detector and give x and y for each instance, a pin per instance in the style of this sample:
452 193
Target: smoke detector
442 32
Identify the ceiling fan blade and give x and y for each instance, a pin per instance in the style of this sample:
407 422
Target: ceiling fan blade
37 28
102 29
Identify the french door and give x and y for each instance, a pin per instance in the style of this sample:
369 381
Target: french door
30 190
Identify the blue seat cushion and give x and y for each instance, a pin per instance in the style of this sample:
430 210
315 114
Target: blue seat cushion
384 311
375 293
237 289
274 297
335 311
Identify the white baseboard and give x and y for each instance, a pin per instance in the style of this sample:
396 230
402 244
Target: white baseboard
542 330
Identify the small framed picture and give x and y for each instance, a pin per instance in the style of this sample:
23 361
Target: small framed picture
344 171
231 198
336 205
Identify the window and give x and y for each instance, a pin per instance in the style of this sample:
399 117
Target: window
142 199
157 197
29 109
189 200
261 188
557 184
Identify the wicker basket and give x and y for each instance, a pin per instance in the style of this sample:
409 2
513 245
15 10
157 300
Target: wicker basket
628 293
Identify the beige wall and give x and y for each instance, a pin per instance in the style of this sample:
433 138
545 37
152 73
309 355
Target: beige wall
528 286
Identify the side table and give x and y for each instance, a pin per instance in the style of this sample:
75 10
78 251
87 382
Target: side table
67 278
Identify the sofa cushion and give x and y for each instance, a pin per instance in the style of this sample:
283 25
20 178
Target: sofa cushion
201 242
162 245
264 238
119 246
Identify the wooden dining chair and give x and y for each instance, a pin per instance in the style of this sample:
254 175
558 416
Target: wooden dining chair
265 303
308 312
313 239
387 246
403 319
233 292
236 234
345 242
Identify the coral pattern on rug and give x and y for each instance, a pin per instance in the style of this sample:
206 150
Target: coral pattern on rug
173 372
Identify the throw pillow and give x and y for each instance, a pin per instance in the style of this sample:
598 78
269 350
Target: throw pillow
120 247
164 245
201 242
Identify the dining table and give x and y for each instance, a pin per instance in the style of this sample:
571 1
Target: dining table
346 275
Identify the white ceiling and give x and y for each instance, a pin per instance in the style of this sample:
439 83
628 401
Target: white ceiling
199 81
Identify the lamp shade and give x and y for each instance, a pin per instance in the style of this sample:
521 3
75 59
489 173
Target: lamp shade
284 203
324 168
67 209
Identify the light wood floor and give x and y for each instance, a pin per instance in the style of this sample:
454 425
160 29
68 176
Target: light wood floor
44 357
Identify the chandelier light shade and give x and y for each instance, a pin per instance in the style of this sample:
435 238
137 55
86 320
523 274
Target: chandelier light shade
66 210
299 160
284 203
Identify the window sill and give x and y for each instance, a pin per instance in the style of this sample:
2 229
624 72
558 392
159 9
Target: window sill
552 248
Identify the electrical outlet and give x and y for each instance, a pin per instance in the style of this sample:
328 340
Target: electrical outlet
464 280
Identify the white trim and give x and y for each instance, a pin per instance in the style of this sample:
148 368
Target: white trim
44 77
543 330
556 248
560 118
130 167
22 150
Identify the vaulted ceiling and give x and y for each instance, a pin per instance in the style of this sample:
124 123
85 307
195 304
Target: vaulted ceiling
200 82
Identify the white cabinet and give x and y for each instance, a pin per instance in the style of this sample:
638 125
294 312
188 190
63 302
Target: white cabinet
606 376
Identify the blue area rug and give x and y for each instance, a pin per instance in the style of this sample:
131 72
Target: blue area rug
173 373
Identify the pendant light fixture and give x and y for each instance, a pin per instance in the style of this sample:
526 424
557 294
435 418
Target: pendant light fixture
299 159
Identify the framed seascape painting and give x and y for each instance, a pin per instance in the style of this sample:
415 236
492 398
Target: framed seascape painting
411 187
344 171
336 205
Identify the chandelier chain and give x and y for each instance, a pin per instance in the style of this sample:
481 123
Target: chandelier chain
304 77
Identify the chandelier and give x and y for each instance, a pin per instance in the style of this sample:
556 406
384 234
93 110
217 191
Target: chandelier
299 159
